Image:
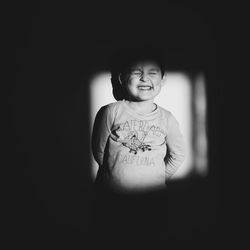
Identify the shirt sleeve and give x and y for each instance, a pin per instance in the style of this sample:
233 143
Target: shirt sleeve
175 147
101 132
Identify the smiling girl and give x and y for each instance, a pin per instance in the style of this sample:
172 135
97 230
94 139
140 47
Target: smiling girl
140 78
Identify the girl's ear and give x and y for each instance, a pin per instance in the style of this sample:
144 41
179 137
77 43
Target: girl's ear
120 78
163 80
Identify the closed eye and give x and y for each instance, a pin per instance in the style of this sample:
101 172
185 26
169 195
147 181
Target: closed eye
136 72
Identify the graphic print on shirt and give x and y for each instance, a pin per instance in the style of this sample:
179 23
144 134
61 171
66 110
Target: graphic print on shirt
132 134
133 142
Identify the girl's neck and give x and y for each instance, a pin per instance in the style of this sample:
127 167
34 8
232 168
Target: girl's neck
143 107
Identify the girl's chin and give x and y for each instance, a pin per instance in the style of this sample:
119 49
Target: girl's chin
146 97
143 97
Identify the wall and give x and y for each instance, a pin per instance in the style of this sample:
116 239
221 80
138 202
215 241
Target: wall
58 49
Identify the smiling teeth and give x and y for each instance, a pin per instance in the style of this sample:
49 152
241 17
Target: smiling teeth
144 87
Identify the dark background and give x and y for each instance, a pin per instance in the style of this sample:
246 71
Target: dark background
59 47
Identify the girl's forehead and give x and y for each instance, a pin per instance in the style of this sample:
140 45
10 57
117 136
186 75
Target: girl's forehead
145 64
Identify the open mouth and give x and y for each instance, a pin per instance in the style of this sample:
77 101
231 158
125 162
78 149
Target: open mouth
144 87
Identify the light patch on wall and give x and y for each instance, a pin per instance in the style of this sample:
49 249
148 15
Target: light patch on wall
175 96
200 138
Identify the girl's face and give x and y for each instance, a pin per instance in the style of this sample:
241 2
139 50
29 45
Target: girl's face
144 81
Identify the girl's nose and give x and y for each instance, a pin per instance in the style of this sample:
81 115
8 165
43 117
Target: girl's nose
144 77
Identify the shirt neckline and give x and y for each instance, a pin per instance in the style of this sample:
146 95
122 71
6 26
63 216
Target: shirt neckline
155 111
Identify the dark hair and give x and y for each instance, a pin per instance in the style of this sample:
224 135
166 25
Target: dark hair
124 58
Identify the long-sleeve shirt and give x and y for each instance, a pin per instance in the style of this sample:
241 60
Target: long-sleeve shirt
136 152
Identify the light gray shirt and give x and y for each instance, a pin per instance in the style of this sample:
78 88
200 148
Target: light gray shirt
138 152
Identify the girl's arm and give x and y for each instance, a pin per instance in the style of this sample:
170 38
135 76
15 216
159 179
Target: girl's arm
175 148
100 134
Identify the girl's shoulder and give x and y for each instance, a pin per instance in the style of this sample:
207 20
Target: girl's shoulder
166 113
111 109
114 106
168 117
